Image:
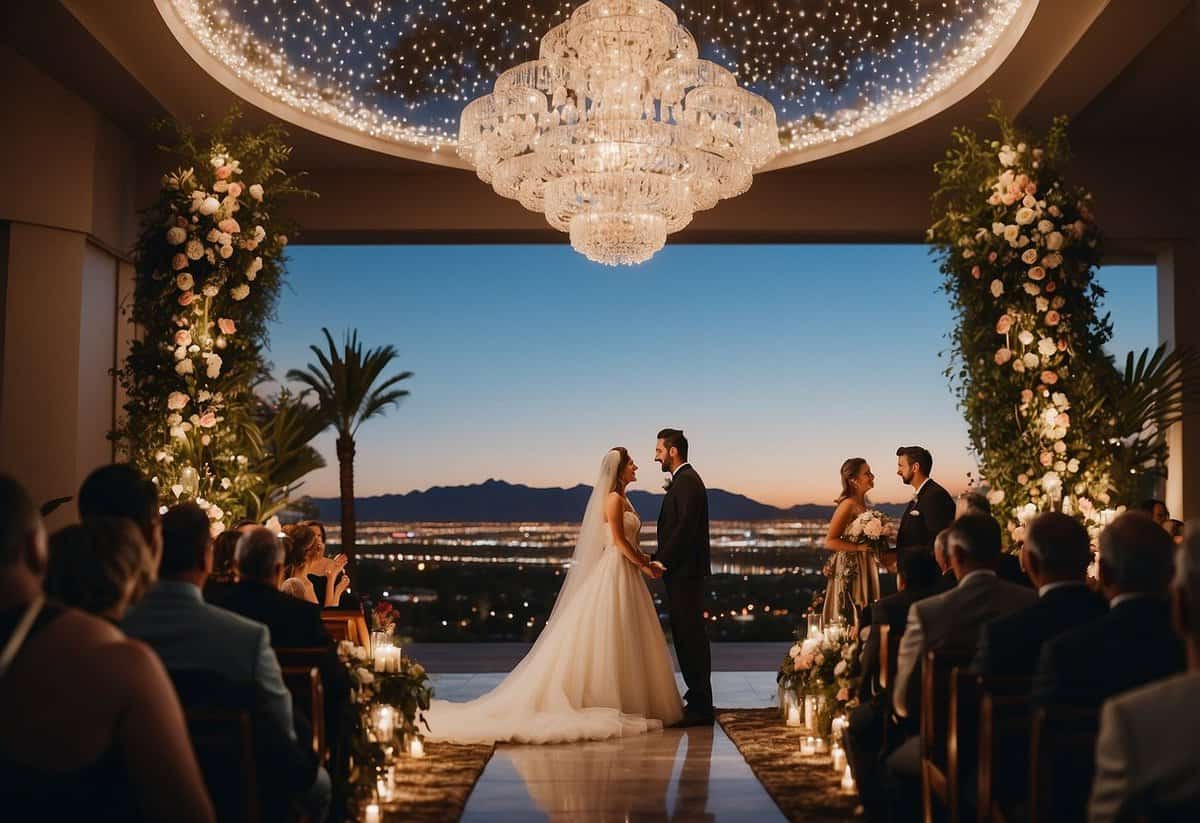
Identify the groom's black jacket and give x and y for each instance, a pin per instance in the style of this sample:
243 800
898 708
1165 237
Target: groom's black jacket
683 527
926 516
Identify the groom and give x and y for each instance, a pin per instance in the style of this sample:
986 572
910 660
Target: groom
683 558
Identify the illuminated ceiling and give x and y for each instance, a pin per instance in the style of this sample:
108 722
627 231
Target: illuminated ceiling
394 75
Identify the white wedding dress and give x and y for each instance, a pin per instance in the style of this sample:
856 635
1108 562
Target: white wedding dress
600 669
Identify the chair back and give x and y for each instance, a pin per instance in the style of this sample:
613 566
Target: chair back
1062 763
962 739
224 745
308 697
936 670
1005 717
346 624
301 655
886 656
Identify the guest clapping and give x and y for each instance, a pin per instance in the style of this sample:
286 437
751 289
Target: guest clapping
126 754
307 556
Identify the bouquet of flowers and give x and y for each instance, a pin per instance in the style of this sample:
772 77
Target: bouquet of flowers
869 528
384 617
825 666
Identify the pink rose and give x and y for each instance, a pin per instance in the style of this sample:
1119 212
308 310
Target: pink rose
1026 395
235 189
976 272
1046 459
226 326
1020 181
1062 344
843 694
1063 420
223 173
992 257
1008 198
1049 377
229 226
1037 273
208 420
1051 286
179 261
186 298
183 338
1003 356
1004 324
1052 318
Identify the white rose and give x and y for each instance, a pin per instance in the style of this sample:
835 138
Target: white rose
1055 211
194 250
181 352
1054 240
794 651
209 206
1060 447
1073 466
210 291
256 191
184 281
184 367
176 235
260 234
996 496
1047 347
1029 201
997 288
1033 289
221 186
1024 216
1029 256
1031 360
1045 226
214 367
226 252
178 433
1007 156
873 529
997 229
1019 366
1042 304
176 400
240 292
1011 232
1026 337
840 668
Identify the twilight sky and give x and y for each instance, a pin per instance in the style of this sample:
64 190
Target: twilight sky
778 361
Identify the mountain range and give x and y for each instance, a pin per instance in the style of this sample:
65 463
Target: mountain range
496 501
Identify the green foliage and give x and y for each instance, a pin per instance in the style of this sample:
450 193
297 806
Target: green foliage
209 263
1052 421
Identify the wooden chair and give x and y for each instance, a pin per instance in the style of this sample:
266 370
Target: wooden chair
886 659
1005 718
962 739
938 797
308 696
346 624
301 655
1062 761
224 746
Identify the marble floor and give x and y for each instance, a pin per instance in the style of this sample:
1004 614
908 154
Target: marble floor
694 774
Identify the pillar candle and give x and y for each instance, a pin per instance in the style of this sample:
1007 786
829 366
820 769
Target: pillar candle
416 748
793 718
808 746
847 781
372 813
839 759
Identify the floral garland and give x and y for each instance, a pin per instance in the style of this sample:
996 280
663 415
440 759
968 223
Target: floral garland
209 262
827 665
405 692
1019 248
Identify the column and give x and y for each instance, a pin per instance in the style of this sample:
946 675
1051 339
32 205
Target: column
1179 326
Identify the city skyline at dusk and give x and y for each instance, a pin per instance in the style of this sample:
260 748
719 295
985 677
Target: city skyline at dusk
529 362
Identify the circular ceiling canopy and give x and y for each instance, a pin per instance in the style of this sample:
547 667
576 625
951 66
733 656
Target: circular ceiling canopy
394 75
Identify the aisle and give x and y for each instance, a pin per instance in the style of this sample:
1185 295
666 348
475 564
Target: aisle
679 775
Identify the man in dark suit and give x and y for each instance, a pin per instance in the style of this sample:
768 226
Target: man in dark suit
932 507
917 576
683 557
1080 667
1056 553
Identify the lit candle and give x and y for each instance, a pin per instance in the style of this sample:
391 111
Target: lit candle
808 746
839 759
385 723
416 748
847 780
372 813
381 656
793 717
810 712
384 789
822 747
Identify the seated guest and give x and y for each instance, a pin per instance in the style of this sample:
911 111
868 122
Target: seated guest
224 565
124 754
307 557
941 556
954 618
1056 553
971 503
1078 668
1137 776
120 490
100 566
1175 529
950 620
918 577
193 636
1156 510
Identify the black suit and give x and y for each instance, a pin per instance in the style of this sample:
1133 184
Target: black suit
891 611
1131 645
683 548
1009 646
926 516
947 581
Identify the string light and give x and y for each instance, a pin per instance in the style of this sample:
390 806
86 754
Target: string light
401 70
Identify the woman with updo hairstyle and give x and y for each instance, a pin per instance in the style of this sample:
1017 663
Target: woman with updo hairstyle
307 556
224 565
102 566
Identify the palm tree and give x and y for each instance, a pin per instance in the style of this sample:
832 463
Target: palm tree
286 426
344 382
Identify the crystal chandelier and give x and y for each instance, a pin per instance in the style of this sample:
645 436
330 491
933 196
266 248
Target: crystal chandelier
618 132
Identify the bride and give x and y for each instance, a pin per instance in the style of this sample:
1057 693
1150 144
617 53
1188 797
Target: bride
600 668
853 575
